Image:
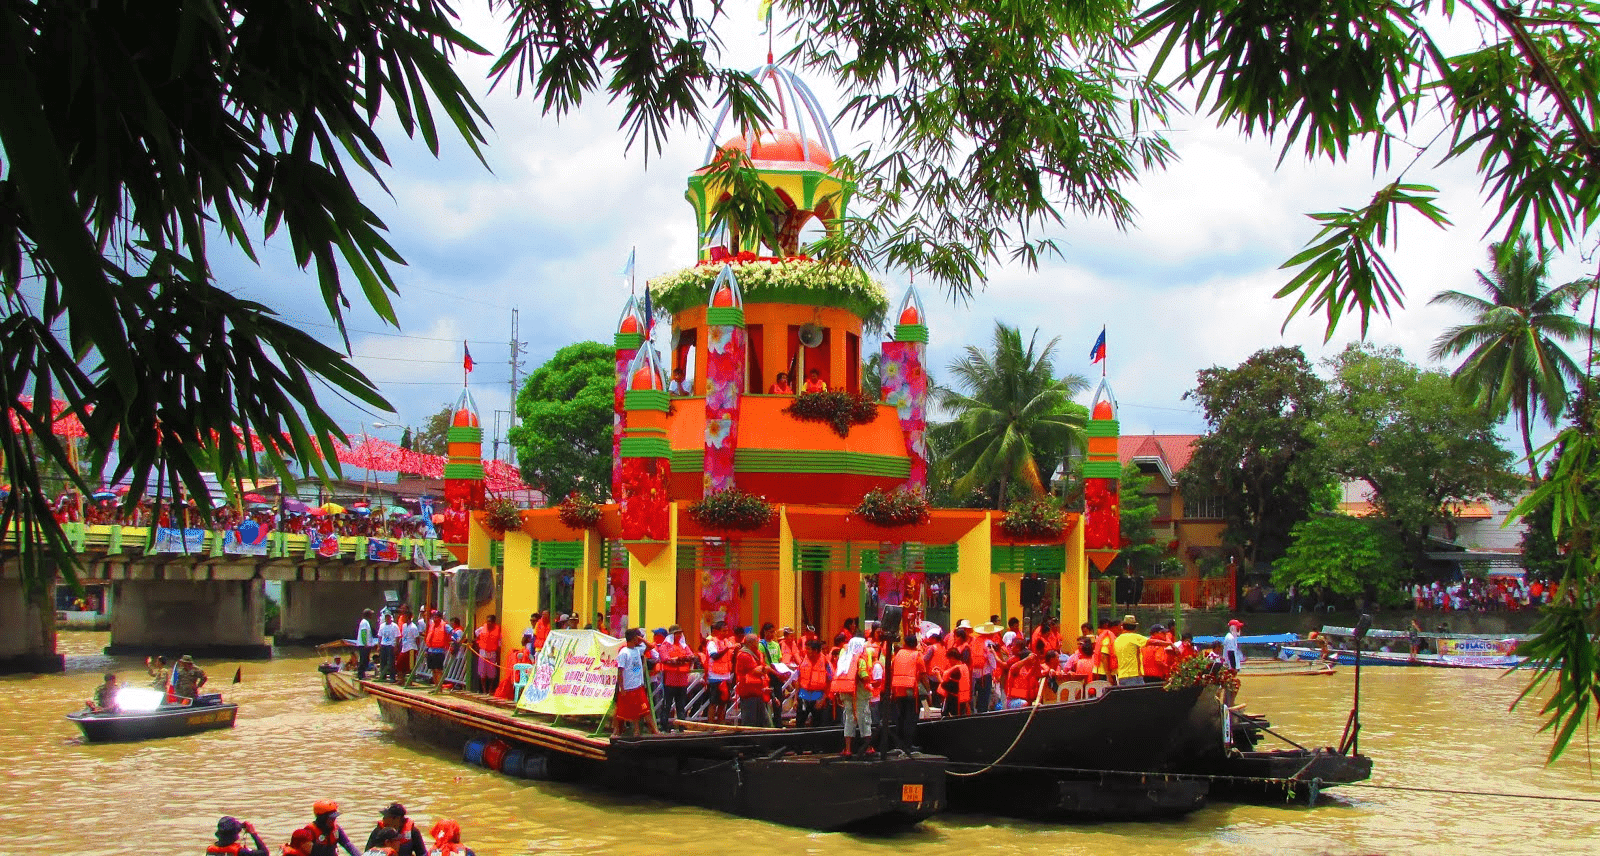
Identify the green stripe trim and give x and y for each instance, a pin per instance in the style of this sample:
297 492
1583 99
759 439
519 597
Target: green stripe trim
812 461
911 333
688 460
1028 559
1102 470
646 447
725 316
1102 428
463 471
646 399
629 341
463 434
640 432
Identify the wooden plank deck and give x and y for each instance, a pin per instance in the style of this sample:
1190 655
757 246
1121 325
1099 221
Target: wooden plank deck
495 716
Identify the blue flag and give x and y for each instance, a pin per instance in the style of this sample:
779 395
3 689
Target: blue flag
1098 352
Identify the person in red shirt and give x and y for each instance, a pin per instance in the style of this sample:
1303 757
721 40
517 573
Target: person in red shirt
1155 658
751 685
719 654
1105 661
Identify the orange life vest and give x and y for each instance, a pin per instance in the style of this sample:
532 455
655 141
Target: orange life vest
323 841
1105 662
541 631
718 667
844 675
226 849
673 651
405 831
1022 681
904 669
814 674
438 635
962 676
752 680
1154 660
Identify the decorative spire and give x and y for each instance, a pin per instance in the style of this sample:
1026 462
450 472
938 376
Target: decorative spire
645 373
1104 404
912 322
466 413
725 290
630 326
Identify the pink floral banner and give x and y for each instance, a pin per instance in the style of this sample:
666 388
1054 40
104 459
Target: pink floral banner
725 368
905 387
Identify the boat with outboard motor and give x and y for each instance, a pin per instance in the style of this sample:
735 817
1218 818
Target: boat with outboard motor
145 714
1450 650
338 682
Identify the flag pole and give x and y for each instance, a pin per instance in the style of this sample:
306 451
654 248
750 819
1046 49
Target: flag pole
1105 361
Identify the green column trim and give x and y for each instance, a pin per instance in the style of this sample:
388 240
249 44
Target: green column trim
463 434
629 341
1102 470
724 316
470 472
911 333
1102 428
645 447
646 399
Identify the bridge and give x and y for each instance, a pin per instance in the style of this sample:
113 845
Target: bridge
203 592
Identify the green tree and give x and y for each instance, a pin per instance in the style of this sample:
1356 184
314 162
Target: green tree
1348 555
565 409
1259 454
1013 416
1412 437
432 437
1512 355
1137 508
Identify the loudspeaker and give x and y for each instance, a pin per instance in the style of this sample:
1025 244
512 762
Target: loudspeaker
890 622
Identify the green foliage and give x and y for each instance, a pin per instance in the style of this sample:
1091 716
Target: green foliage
1411 437
1260 453
1512 355
837 407
899 507
1014 419
431 439
565 409
732 509
1349 555
1137 507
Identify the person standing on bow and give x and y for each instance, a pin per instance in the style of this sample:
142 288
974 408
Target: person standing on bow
364 642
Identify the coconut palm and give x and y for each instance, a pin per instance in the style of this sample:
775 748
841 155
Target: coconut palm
1010 409
1514 361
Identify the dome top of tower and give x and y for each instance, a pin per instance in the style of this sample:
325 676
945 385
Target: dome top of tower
781 146
466 412
797 130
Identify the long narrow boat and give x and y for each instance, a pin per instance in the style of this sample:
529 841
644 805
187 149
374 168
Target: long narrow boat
1259 668
1347 657
164 721
788 776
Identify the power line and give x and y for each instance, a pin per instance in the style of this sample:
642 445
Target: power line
382 333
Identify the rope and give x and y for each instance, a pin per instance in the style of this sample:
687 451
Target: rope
1464 793
1018 739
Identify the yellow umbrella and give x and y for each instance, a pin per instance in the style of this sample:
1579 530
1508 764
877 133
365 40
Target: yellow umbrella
333 508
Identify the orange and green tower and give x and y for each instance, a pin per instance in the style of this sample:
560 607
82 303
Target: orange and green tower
463 473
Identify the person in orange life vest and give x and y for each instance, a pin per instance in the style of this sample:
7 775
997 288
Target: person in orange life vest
851 628
447 840
299 844
907 675
791 646
435 641
228 843
326 834
1080 666
719 672
751 683
985 662
1184 649
937 658
957 684
852 684
541 631
815 673
1022 678
384 842
487 640
633 694
781 385
1105 661
677 660
1155 659
814 382
394 819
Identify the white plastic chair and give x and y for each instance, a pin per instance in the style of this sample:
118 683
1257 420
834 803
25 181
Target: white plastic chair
1096 689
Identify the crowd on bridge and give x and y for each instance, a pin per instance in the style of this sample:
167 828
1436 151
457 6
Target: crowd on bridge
107 508
394 834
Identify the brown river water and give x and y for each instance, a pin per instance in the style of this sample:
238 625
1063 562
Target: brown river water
1429 728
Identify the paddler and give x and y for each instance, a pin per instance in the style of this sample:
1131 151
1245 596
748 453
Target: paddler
228 843
325 832
394 818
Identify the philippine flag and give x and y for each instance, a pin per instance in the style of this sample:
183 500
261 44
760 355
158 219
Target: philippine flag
1098 352
466 360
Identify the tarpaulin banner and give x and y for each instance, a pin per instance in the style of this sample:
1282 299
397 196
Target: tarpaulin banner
383 550
247 539
179 540
576 674
327 546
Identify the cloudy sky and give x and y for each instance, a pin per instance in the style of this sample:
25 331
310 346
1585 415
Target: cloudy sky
546 228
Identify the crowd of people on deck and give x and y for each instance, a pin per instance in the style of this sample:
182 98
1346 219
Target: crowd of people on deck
1496 594
357 521
394 834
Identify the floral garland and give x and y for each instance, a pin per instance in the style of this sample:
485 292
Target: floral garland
836 407
732 509
578 513
1038 519
796 279
902 507
1199 670
501 515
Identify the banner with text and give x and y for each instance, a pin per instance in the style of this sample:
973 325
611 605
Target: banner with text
576 674
383 550
249 538
179 540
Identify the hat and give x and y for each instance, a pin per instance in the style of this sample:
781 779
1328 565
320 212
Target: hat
1235 623
1158 628
659 631
395 810
228 826
673 628
321 807
186 659
788 630
987 629
1130 619
963 623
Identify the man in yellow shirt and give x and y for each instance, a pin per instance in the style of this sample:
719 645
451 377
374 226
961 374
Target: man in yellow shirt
1127 647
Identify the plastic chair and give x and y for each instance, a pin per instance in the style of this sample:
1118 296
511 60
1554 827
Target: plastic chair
524 671
1096 689
1070 691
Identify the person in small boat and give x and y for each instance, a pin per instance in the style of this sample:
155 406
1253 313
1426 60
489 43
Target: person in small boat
229 829
159 672
105 695
447 840
384 842
326 834
407 839
189 680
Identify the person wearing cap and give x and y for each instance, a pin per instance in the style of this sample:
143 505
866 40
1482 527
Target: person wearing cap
189 679
326 833
1232 657
1129 648
228 843
677 661
394 820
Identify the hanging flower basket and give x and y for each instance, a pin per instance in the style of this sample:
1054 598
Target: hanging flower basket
732 509
1034 520
501 516
765 279
578 513
837 408
897 508
1199 670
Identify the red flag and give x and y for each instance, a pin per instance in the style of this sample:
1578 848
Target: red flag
466 361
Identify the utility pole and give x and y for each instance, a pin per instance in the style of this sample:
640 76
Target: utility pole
518 348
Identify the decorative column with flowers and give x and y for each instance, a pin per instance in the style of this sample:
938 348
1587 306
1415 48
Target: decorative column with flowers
905 387
630 335
463 474
725 377
646 466
1102 472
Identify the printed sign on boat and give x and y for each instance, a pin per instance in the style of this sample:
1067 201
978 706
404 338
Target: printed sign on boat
575 674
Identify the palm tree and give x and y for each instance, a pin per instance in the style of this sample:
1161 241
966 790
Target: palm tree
1514 361
1010 410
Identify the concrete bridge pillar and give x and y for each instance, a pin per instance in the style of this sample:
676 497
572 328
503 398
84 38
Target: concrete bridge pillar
27 634
209 618
323 609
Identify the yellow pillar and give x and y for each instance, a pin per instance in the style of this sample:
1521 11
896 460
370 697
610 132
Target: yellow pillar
584 578
969 585
653 587
788 575
478 541
1074 583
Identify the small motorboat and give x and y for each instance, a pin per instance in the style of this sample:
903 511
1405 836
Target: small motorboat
339 684
144 714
